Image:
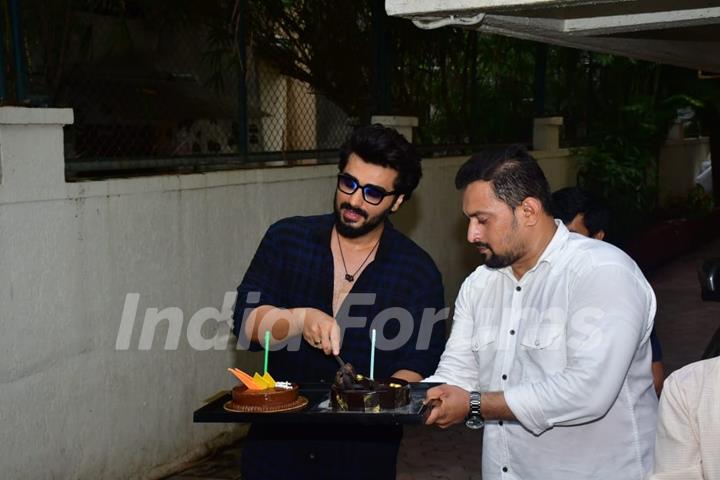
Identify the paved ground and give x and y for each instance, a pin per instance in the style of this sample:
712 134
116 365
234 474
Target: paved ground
684 325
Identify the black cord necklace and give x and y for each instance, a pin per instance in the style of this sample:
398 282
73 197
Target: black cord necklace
348 276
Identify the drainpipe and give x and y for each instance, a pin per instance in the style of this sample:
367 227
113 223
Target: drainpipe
2 65
541 51
242 80
21 79
383 61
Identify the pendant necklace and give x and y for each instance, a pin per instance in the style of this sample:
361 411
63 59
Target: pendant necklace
348 276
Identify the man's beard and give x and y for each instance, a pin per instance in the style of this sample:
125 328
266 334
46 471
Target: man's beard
496 261
500 261
350 231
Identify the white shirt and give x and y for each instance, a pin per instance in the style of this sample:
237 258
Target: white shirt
688 436
568 344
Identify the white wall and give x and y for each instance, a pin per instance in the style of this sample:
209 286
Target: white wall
680 163
71 404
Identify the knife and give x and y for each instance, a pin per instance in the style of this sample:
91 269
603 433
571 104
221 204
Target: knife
339 360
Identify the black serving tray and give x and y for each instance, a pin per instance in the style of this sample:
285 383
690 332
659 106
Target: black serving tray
318 411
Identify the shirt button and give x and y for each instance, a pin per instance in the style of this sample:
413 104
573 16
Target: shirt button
500 423
504 377
537 342
505 469
518 288
512 332
312 456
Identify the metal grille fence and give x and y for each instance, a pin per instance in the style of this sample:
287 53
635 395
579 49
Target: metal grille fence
165 94
156 86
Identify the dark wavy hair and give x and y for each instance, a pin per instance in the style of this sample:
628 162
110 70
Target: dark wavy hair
384 146
513 173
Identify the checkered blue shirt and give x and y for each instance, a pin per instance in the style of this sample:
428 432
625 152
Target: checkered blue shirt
293 267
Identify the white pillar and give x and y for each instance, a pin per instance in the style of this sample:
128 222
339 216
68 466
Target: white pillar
546 133
680 163
32 153
404 125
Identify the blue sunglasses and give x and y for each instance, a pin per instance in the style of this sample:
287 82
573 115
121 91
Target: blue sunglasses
371 193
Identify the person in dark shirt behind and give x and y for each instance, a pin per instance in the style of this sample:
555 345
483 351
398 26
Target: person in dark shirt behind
319 284
584 214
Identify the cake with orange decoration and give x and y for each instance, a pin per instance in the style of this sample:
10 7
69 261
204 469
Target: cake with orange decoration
262 394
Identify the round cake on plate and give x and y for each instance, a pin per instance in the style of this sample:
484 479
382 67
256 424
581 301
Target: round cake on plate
283 398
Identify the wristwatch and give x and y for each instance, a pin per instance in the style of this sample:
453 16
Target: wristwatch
474 419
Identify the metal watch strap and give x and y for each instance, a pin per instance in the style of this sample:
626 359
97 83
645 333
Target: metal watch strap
475 419
475 405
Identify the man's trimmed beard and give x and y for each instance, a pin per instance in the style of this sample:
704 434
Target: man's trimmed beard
496 261
349 231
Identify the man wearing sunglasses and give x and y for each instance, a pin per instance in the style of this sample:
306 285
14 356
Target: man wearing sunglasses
322 283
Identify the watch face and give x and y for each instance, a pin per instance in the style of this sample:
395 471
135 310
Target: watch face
474 422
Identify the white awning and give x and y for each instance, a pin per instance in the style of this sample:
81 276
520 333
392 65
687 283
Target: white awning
684 33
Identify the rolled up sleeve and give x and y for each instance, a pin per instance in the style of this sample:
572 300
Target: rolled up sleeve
609 315
458 365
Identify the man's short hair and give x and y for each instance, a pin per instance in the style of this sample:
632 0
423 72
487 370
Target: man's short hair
386 147
568 202
513 173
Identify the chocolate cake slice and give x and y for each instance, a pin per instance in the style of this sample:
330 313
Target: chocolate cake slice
357 393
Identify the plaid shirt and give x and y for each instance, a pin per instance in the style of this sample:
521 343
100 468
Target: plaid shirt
293 267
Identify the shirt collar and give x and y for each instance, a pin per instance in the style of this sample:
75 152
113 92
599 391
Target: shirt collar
556 244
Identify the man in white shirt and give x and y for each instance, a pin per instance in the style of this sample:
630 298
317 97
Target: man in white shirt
549 344
688 435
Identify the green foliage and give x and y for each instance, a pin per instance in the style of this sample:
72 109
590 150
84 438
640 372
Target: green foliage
699 202
621 163
464 86
619 171
64 35
467 87
696 204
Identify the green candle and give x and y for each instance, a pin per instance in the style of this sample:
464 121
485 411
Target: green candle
372 355
267 348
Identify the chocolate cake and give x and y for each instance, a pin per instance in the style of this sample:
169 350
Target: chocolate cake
262 401
357 393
